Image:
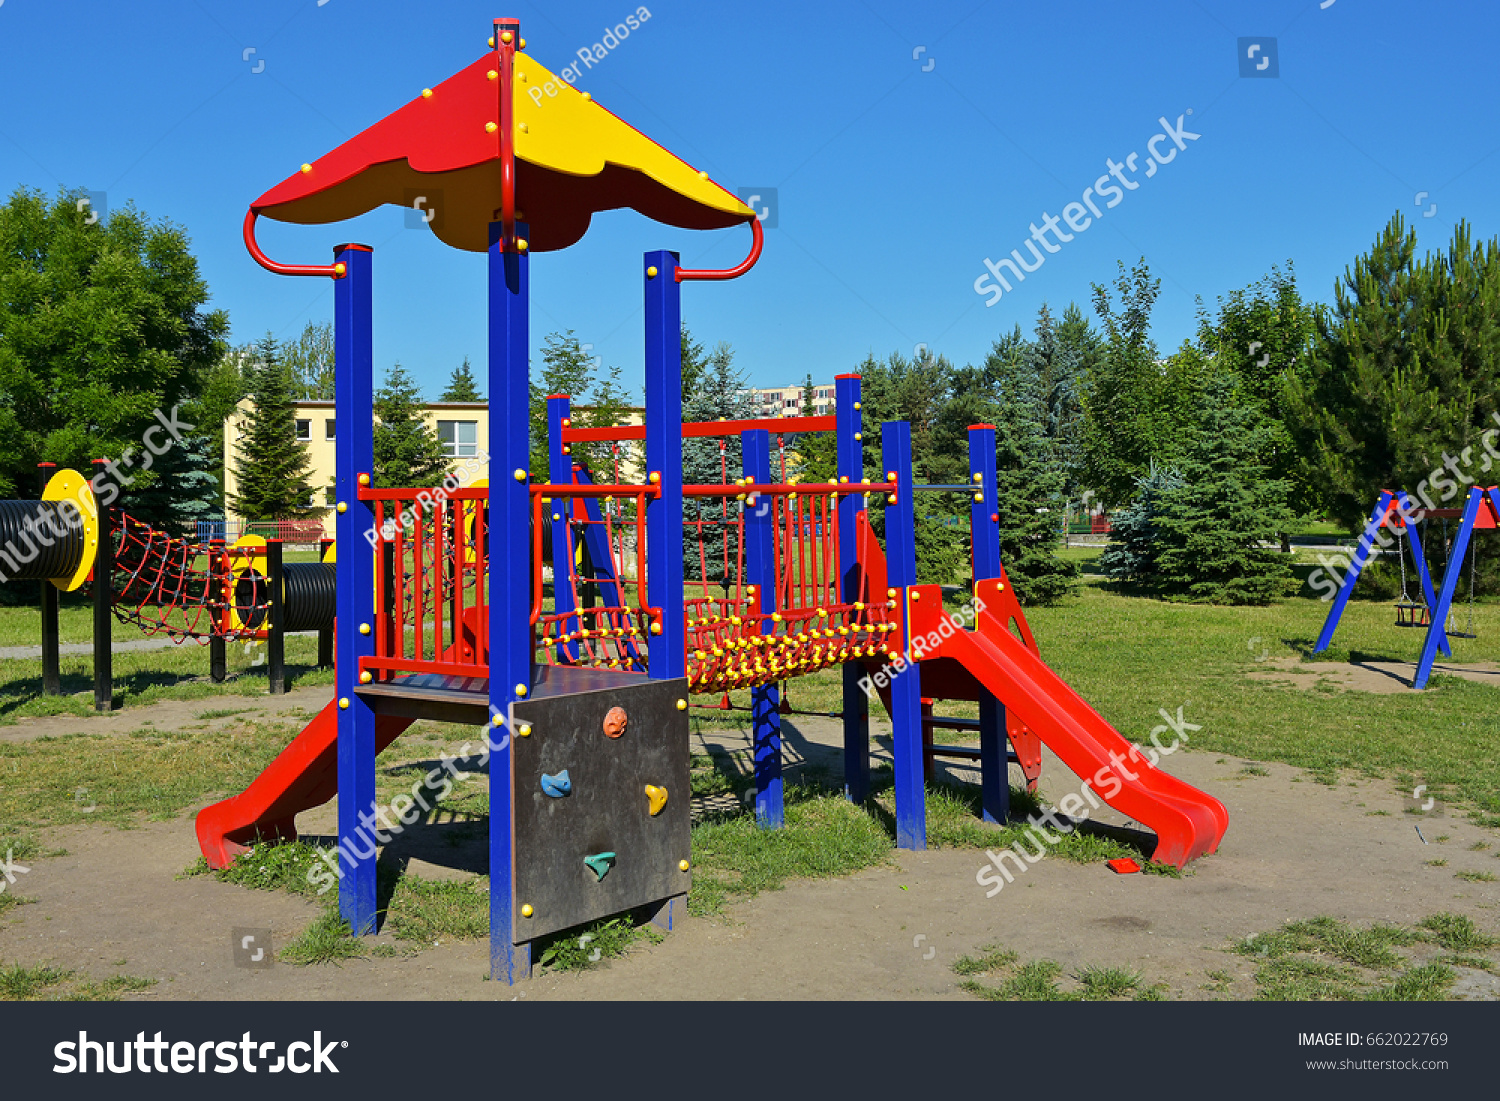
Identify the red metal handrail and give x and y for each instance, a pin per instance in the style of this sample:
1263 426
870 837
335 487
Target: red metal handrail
684 274
335 271
701 429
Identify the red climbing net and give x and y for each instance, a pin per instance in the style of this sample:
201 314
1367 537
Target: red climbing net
184 590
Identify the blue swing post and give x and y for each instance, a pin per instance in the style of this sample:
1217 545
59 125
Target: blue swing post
354 455
906 684
1356 565
1436 631
984 525
510 607
849 441
1408 507
760 571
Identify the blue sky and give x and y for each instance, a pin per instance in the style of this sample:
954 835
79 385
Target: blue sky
905 143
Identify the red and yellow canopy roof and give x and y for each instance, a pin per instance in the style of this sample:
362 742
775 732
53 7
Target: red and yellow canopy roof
572 158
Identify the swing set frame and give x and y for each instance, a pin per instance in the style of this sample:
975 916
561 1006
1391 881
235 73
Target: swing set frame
1399 511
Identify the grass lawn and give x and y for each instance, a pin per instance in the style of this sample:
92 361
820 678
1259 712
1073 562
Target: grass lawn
1128 655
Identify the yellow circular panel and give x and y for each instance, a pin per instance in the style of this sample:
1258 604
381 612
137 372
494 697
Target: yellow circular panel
239 566
69 485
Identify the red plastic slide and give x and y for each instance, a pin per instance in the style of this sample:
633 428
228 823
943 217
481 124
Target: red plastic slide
1187 822
304 775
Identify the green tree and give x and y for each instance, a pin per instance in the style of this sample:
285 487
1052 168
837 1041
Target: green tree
694 363
102 325
188 490
1136 410
408 454
1216 526
1403 376
598 400
1134 536
1263 334
918 391
1011 392
461 384
310 359
720 394
272 466
1066 351
222 387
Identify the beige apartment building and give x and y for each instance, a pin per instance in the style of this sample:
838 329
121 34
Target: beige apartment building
462 426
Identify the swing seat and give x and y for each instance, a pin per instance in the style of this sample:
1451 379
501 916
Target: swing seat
1413 615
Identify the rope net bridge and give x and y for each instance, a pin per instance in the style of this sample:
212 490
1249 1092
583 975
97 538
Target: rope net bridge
432 569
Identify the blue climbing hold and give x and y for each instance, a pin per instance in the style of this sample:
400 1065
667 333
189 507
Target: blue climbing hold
600 864
556 785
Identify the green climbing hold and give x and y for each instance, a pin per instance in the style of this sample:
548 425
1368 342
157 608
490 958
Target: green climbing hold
600 864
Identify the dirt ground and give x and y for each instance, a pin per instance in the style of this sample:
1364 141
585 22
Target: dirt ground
1384 678
1295 849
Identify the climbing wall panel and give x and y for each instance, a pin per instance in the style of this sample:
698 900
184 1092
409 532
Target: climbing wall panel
590 845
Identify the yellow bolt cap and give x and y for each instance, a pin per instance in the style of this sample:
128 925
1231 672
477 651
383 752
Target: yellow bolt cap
364 628
682 705
344 703
525 730
343 507
526 910
365 677
683 865
307 168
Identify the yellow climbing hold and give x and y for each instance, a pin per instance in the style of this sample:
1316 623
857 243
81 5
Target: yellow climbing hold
657 798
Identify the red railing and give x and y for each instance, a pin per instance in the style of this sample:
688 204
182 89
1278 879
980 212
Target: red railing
432 568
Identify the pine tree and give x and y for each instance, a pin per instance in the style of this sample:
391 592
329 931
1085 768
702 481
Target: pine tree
721 394
185 490
462 385
1214 527
1030 486
1134 537
272 468
597 400
694 362
408 454
919 391
310 359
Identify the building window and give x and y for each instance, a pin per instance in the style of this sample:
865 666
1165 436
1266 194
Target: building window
460 438
304 430
328 432
330 493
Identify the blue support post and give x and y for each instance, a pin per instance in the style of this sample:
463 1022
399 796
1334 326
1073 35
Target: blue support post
760 571
1452 571
1409 507
1351 575
851 468
906 685
510 605
984 524
354 452
668 650
560 473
